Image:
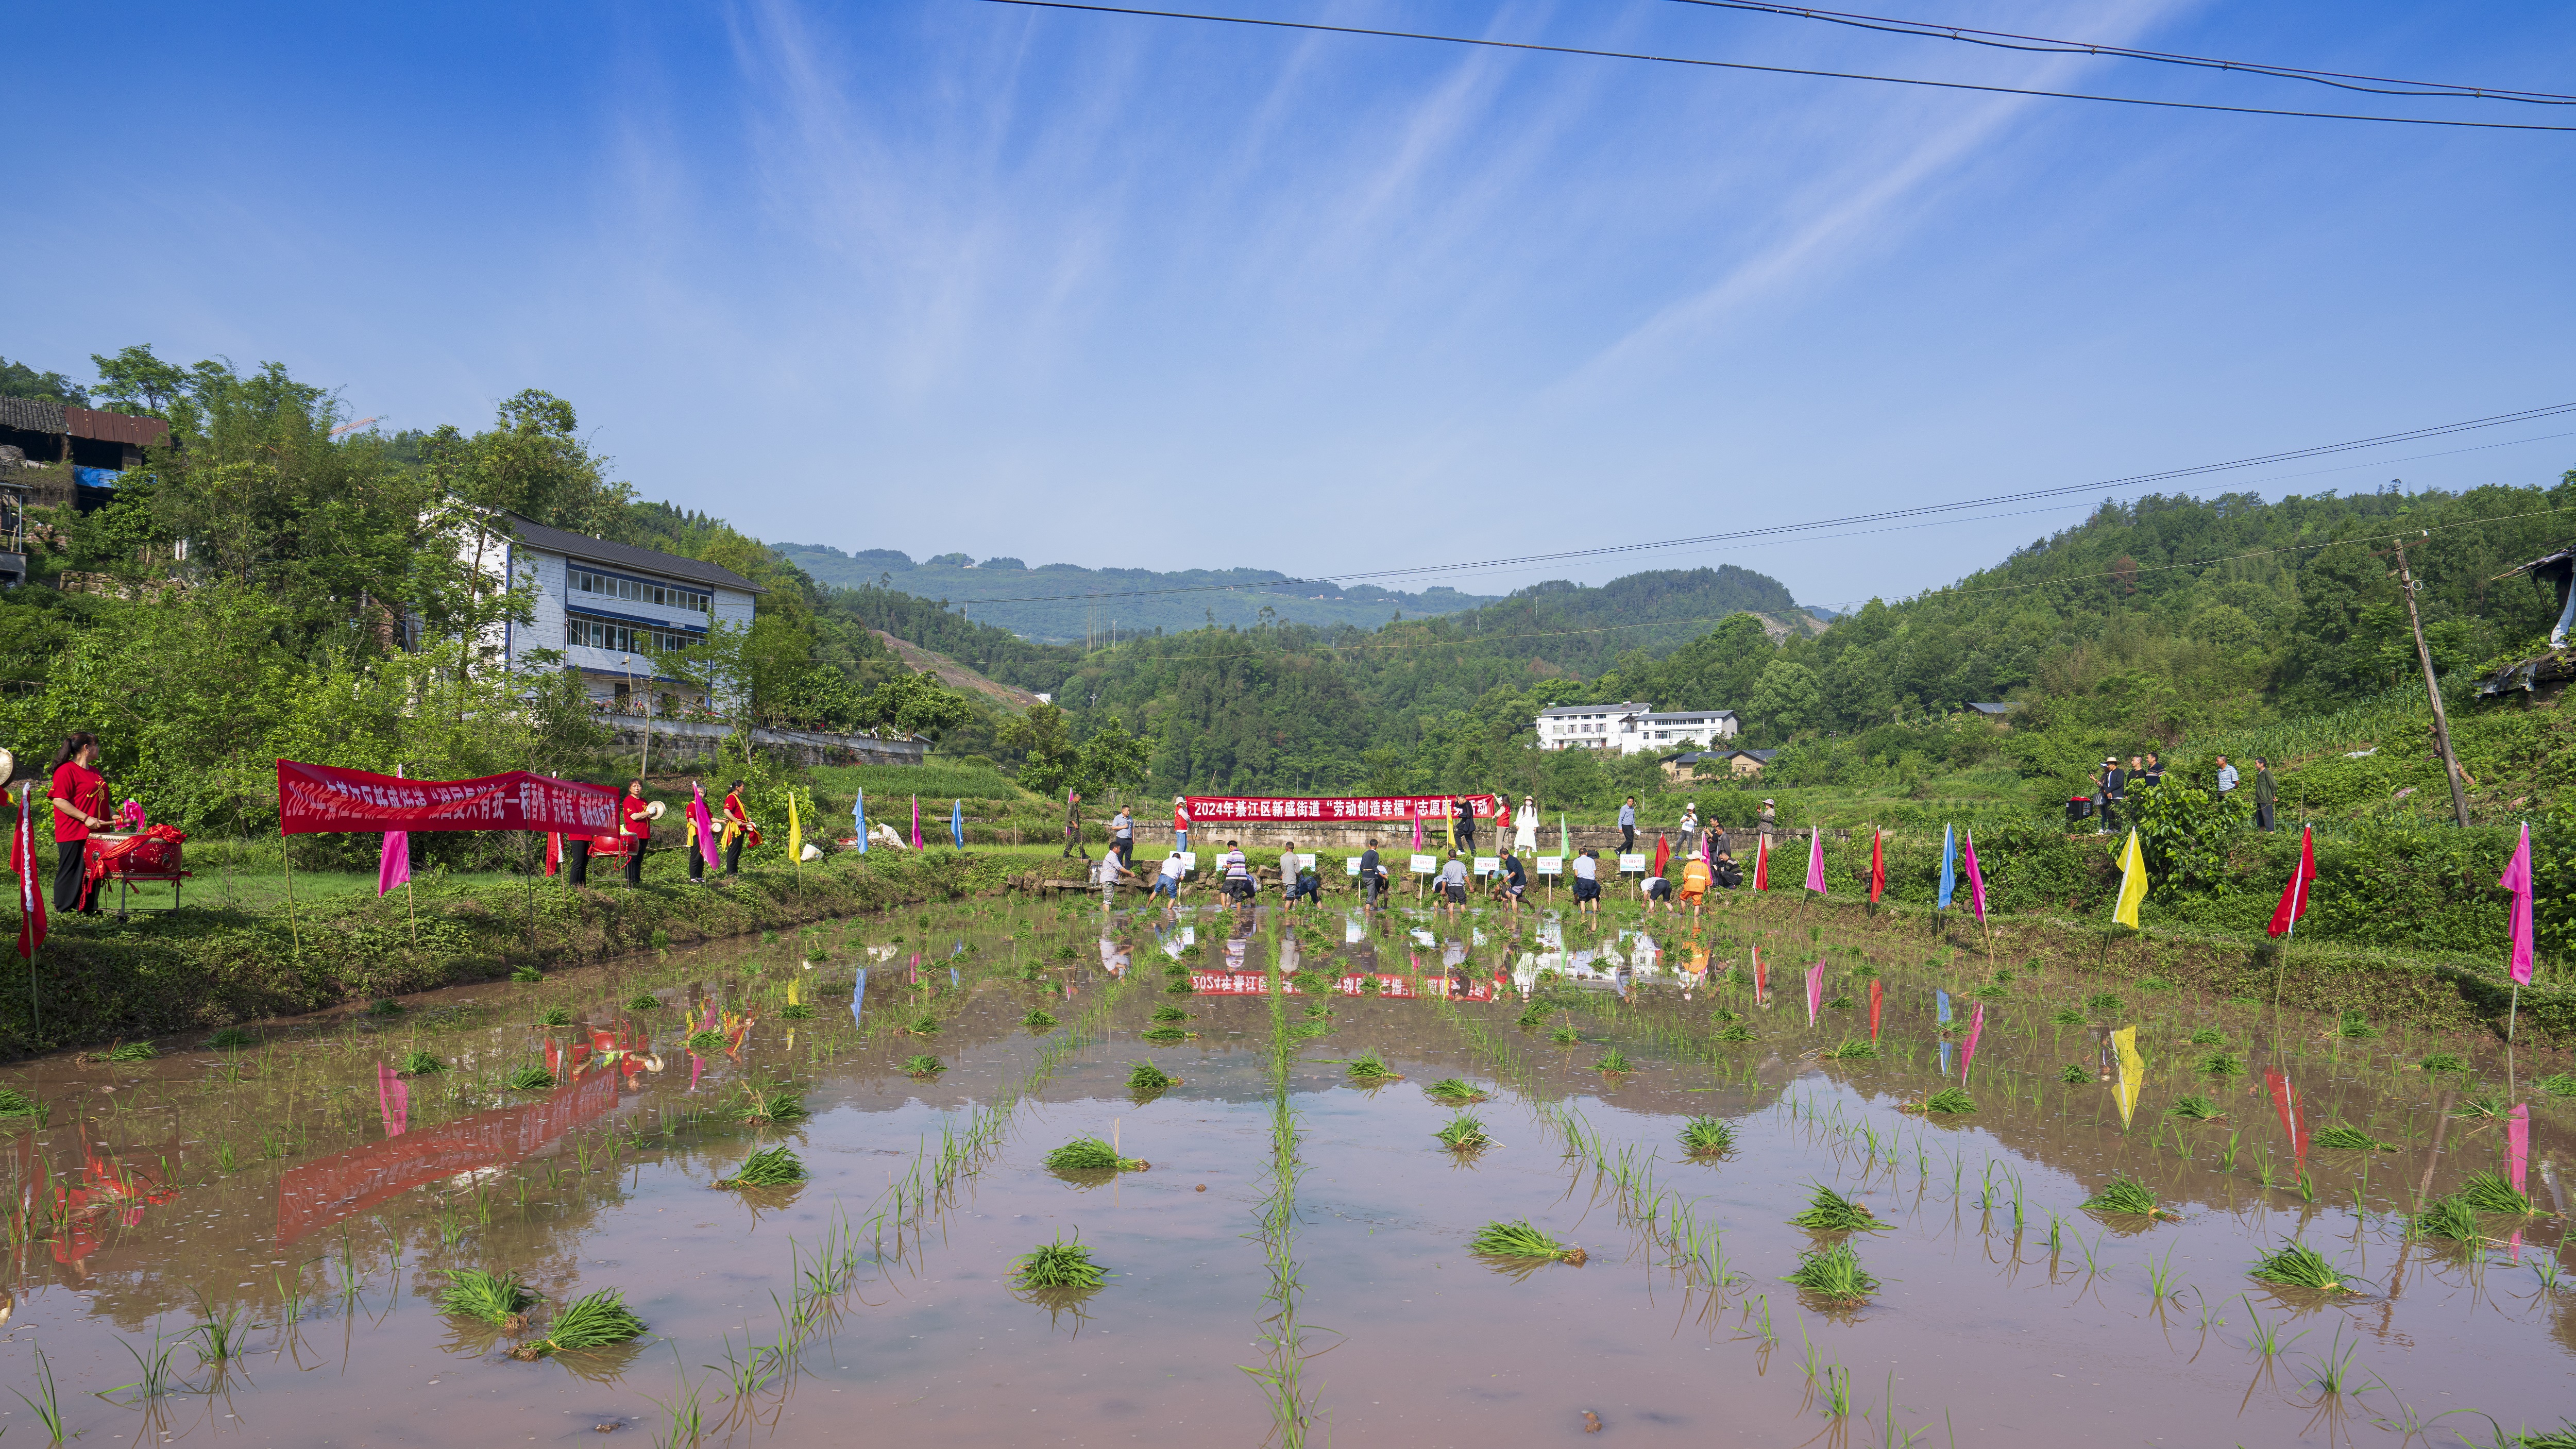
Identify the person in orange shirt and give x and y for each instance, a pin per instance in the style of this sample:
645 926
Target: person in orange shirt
79 794
736 823
1694 883
634 830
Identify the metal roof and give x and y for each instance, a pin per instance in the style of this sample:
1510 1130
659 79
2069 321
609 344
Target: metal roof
1624 707
44 415
625 555
1694 714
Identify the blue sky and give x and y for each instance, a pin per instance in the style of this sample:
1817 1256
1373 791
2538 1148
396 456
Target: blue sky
945 275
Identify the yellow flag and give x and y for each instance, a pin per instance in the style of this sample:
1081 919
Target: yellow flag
2133 1071
795 833
2133 883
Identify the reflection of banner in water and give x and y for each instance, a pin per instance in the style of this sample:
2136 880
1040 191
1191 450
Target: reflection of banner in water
328 1189
2133 1072
2285 1100
1254 983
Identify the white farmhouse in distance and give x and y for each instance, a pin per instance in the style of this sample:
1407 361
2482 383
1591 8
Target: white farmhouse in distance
1631 727
604 606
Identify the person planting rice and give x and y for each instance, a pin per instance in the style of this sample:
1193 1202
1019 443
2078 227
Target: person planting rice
1372 880
1238 874
1453 883
1513 880
1659 889
1695 879
1110 870
1587 883
1167 881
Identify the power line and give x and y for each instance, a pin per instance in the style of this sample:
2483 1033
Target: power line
1899 80
2007 40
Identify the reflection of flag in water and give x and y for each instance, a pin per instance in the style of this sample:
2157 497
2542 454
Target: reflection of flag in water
1877 992
1759 984
2285 1100
1968 1056
2133 1072
330 1189
1946 1048
2517 1145
859 1000
393 1100
1815 990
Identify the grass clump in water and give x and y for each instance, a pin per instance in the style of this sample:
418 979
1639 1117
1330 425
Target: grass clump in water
796 1011
529 1079
1463 1133
1038 1019
2356 1026
555 1016
2071 1016
768 1106
769 1167
1147 1077
2104 1003
1852 1049
2350 1139
421 1064
1707 1137
1091 1154
129 1051
923 1025
1736 1034
2489 1193
2209 1036
2443 1062
1454 1091
2195 1109
2223 1064
1947 1102
527 976
645 1003
1168 1014
1370 1067
14 1103
498 1299
1520 1240
1828 1211
2297 1265
2130 1197
1613 1062
232 1039
922 1064
2075 1076
2556 1084
1566 1035
1834 1272
1056 1267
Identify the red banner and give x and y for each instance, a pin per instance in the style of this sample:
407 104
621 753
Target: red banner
1253 809
313 798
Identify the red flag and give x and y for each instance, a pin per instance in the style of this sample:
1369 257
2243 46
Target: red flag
554 851
1877 993
31 894
1762 864
1877 872
1663 852
2294 896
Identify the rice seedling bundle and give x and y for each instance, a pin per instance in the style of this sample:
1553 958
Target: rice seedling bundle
2356 1026
1168 1035
14 1103
1370 1067
1736 1034
1722 1016
2129 1196
129 1051
498 1299
1181 986
1565 1035
1038 1019
1520 1240
2104 1003
2070 1017
2486 1103
1170 1013
923 1025
1147 1077
796 1011
769 1167
1057 1266
1534 1014
2297 1265
2350 1139
1834 1272
1706 1137
2443 1062
1454 1090
2557 1084
1947 1102
1463 1133
922 1064
2209 1036
1613 1062
1828 1211
645 1002
2448 1217
706 1043
1845 1003
593 1321
1993 993
2223 1064
2489 1193
2075 1075
529 1079
1091 1154
770 1105
2194 1109
555 1016
1853 1049
527 976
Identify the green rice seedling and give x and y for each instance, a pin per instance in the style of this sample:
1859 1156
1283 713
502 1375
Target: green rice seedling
1947 1102
2223 1064
2127 1196
2489 1193
2104 1003
1038 1019
1566 1035
1834 1272
1057 1267
2349 1139
2356 1026
1181 986
529 1079
47 1403
1828 1211
1062 953
1990 992
2297 1265
1707 1137
2209 1036
2074 1076
1463 1133
129 1051
1845 1003
1091 1154
498 1299
1852 1049
1170 1014
796 1011
1370 985
769 1167
14 1103
232 1039
421 1064
1370 1068
219 1338
527 976
1520 1240
594 1320
923 1025
1318 1011
1721 1016
2448 1217
767 1106
1168 1035
1454 1091
555 1016
1613 1062
1147 1077
2195 1109
2071 1016
2442 1062
2486 1102
706 1043
1736 1035
2227 1156
2556 1084
647 1002
922 1064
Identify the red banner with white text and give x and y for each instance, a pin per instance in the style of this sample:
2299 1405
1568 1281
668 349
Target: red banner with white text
1253 809
314 798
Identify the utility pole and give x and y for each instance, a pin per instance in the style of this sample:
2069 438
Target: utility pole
2433 691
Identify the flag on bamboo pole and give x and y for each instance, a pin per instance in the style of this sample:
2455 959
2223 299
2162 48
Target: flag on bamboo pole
22 859
554 851
957 822
1816 859
393 863
1949 868
2294 895
1877 865
2517 879
1976 879
916 822
1762 864
795 832
859 818
1663 853
2133 883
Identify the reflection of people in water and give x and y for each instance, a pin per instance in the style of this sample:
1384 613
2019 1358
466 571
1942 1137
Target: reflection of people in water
108 1189
1114 957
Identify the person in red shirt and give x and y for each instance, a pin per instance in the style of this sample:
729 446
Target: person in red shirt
79 794
735 824
634 830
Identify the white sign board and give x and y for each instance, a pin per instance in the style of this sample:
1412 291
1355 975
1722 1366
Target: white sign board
1632 862
1351 865
1488 864
1551 865
1189 860
1305 862
1425 864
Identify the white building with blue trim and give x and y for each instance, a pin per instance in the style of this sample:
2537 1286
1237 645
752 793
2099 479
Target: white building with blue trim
606 607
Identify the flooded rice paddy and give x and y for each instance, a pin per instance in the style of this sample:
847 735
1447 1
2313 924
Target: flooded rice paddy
248 1240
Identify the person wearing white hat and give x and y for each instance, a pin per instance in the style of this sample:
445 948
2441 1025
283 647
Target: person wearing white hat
635 828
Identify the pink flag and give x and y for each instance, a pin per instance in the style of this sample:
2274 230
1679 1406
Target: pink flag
1815 991
916 822
1976 1023
393 1100
1976 881
1417 827
393 865
2517 879
706 827
2517 1144
1816 864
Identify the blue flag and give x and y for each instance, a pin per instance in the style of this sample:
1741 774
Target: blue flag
859 817
957 822
1945 1058
859 999
1949 871
1941 1003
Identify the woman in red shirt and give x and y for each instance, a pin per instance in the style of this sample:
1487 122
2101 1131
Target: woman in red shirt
79 794
734 824
634 830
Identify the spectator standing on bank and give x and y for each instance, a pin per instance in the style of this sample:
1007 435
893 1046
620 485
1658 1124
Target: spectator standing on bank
1122 836
2154 773
1464 811
79 795
1628 827
2263 796
1180 822
2115 790
1690 828
2226 777
634 830
1765 818
1073 826
1525 827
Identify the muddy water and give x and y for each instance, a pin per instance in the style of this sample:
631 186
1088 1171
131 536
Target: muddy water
294 1194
